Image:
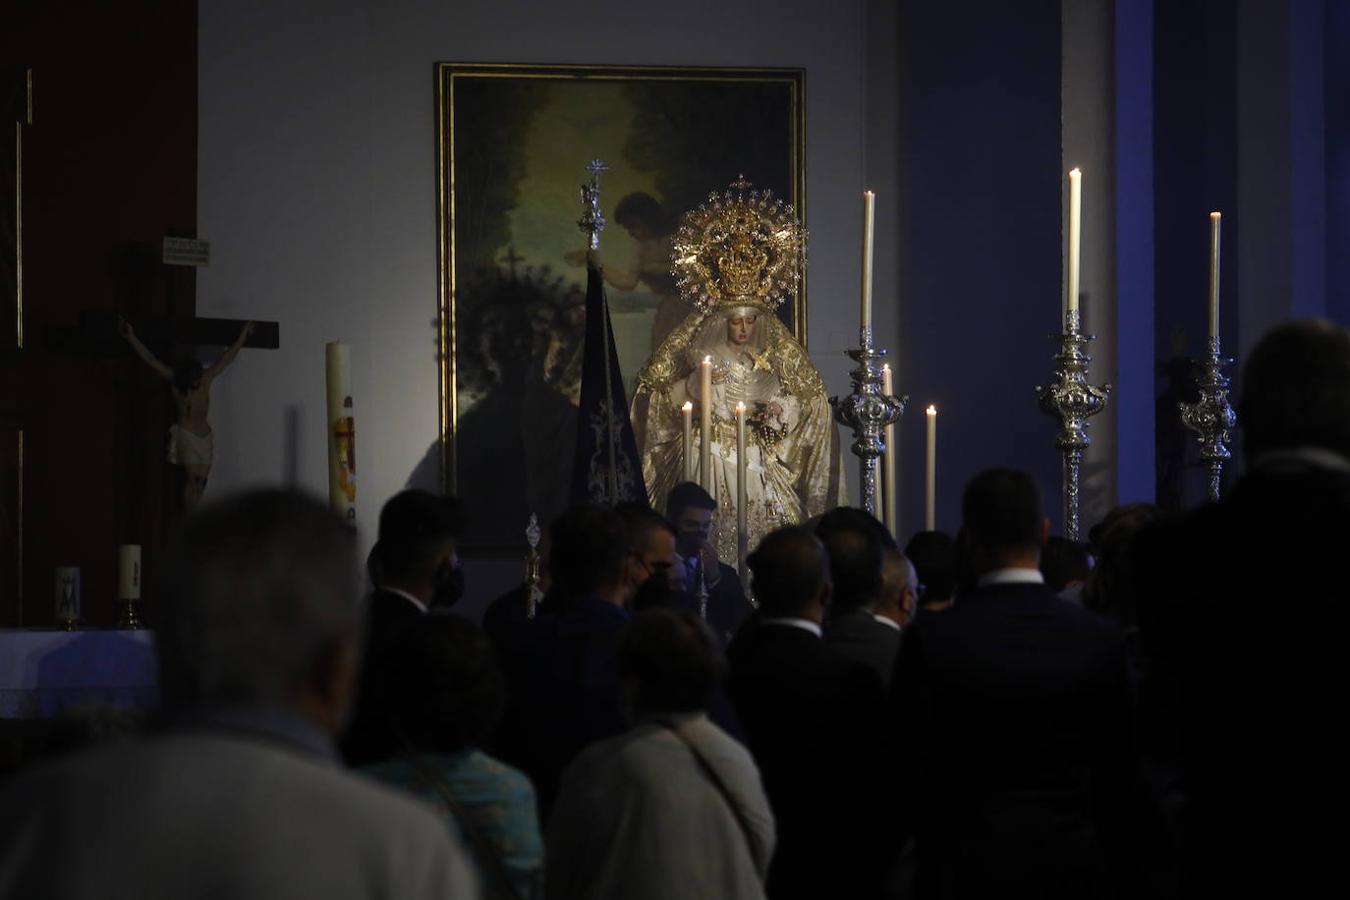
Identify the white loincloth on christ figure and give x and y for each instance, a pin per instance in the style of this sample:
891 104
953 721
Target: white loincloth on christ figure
188 449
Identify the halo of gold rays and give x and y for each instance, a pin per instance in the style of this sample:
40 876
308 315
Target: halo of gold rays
741 247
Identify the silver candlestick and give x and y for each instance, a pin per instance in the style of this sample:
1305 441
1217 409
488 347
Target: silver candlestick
1074 401
1211 417
868 411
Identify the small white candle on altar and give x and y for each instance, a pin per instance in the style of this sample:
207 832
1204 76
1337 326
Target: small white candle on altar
742 535
869 207
688 410
1214 222
129 572
888 461
1075 239
705 426
930 473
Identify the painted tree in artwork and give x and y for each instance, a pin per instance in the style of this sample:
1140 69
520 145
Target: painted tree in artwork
697 138
490 119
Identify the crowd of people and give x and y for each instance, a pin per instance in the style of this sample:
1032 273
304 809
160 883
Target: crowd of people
992 714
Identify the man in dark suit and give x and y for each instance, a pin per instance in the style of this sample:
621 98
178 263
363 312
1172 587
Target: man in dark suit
857 545
1011 719
415 566
562 676
1243 619
690 509
812 717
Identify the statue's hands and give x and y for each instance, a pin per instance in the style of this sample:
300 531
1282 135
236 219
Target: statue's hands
774 408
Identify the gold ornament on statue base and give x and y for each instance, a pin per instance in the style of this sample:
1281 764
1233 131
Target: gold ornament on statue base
736 259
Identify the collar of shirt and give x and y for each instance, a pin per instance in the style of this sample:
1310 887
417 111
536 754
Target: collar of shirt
266 722
803 624
1314 457
891 623
1010 576
421 607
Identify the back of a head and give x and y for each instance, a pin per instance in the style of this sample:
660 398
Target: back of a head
590 544
1063 562
852 540
414 524
256 588
933 554
441 682
1001 511
687 494
789 569
643 523
671 660
1296 389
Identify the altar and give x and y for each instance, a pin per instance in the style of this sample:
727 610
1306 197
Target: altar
43 672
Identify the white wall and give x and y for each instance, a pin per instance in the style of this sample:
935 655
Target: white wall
317 190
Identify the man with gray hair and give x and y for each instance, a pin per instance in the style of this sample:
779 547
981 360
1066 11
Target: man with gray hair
240 794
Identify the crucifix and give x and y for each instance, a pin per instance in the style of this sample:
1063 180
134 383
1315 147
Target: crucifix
169 347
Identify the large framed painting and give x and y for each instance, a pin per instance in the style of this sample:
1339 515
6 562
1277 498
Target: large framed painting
513 146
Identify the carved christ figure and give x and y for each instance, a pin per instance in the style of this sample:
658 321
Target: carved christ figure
191 444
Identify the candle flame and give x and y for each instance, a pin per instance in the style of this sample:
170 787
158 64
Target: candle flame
1216 215
740 409
932 410
707 360
688 406
1075 172
885 367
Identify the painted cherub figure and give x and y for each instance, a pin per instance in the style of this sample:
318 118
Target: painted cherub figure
191 443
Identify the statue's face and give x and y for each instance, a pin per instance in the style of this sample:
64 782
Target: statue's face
740 328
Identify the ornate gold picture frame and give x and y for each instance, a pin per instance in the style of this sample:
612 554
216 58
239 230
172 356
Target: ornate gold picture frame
512 145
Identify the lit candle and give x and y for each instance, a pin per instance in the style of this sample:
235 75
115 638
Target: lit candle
888 461
129 572
869 204
1214 222
930 479
688 410
1075 240
705 425
742 535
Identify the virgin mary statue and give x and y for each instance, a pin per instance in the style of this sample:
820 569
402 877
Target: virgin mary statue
736 259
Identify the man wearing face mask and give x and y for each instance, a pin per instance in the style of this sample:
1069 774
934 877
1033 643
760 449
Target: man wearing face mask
418 569
691 509
655 573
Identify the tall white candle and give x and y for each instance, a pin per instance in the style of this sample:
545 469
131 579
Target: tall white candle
888 462
742 533
129 572
930 473
869 204
688 410
341 432
705 426
1214 222
1075 239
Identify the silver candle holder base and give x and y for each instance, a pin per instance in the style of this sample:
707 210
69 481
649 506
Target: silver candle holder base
130 617
1073 400
1211 417
867 411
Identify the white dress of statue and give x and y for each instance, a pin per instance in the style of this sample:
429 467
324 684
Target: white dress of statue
736 259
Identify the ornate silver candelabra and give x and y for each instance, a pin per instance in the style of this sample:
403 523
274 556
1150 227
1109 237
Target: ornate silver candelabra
1211 417
1074 401
868 411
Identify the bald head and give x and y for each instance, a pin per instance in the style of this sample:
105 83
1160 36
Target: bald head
899 587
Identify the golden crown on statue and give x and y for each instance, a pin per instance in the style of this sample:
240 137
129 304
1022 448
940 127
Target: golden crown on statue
741 247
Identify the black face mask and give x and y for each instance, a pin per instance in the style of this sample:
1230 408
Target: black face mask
652 593
449 587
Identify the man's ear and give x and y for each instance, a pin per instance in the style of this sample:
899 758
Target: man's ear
333 680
